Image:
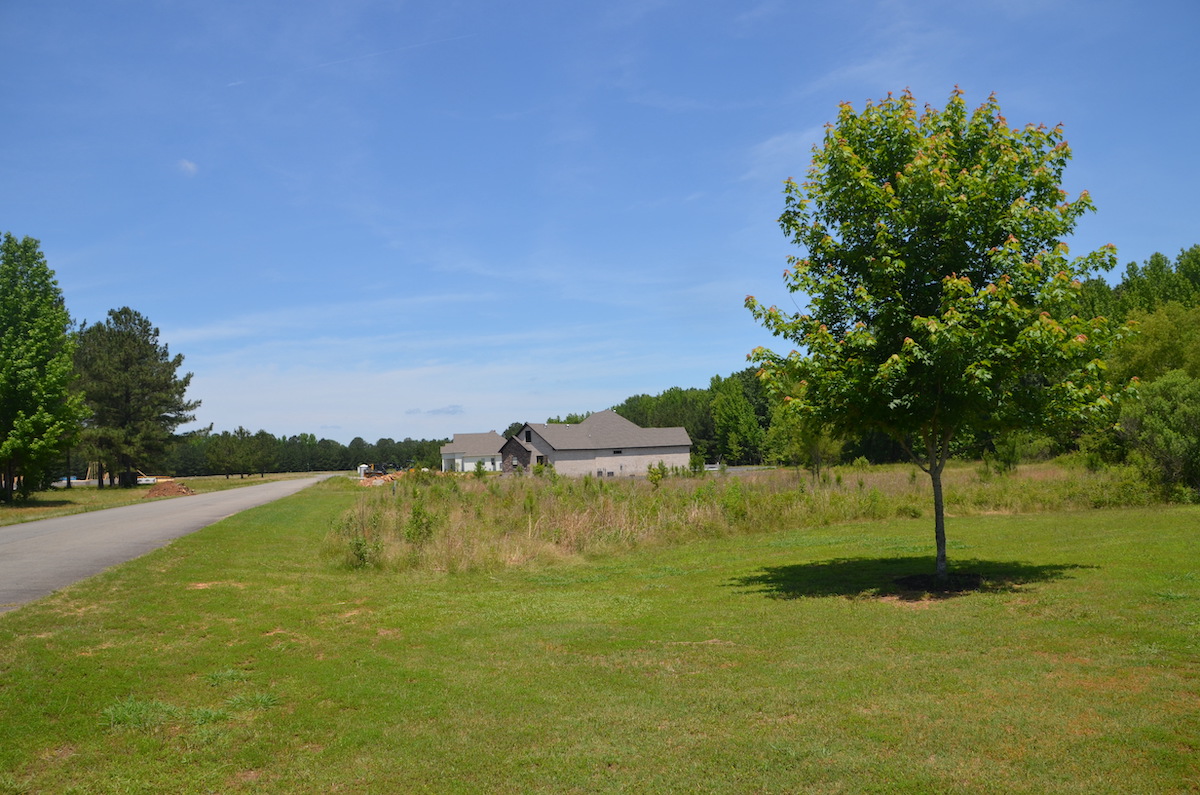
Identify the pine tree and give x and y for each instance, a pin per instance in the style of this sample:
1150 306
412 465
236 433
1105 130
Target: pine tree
131 385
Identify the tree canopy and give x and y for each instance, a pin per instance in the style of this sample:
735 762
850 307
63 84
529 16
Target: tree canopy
39 415
942 296
132 386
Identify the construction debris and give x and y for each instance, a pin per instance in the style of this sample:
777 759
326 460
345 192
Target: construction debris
392 477
169 489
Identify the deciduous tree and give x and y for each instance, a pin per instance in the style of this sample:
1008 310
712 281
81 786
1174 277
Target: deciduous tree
739 436
39 414
942 296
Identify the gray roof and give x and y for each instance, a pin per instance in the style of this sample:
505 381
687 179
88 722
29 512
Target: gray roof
474 444
608 429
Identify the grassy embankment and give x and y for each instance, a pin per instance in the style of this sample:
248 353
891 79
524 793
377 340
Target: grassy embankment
60 501
758 653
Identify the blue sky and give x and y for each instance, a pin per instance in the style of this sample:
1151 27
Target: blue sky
395 219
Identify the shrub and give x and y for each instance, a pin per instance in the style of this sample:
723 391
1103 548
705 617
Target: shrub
1163 428
418 528
656 473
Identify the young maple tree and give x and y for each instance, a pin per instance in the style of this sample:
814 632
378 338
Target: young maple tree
942 296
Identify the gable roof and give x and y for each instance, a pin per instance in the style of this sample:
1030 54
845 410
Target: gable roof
608 429
474 444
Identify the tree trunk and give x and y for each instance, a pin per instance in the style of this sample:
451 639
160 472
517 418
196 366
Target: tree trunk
939 522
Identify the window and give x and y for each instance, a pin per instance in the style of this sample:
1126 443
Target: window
529 436
541 459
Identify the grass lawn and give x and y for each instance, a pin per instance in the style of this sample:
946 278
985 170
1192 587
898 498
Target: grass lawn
83 498
240 658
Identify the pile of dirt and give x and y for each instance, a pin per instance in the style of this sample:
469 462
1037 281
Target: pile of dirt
169 488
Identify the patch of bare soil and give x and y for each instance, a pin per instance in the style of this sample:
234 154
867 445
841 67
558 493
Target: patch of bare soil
955 583
170 488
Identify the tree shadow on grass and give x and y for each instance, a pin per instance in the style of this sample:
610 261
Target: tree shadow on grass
905 578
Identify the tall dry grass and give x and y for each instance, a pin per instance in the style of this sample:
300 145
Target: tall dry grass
460 523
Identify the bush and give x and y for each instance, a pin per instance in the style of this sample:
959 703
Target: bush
1162 428
656 473
418 528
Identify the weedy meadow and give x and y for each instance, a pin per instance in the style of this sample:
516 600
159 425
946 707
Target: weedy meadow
454 522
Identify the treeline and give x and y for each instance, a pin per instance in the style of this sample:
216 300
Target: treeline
243 453
1158 429
735 421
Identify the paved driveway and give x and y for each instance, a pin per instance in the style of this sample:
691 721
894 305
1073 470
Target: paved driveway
37 558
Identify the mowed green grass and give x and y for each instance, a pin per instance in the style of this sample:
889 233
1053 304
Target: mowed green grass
240 659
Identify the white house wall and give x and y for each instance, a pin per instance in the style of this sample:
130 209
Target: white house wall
630 462
466 463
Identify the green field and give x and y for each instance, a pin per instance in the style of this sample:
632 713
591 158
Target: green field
246 658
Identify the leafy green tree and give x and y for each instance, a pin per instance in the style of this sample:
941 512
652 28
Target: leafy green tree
638 409
1146 288
132 386
797 439
39 414
1163 428
739 435
1187 265
422 452
1156 282
1167 339
942 297
676 407
571 419
756 393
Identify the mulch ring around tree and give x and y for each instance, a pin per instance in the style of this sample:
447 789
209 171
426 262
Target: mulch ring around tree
168 489
957 582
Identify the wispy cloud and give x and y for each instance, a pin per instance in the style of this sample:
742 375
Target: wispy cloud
187 167
353 316
351 59
781 156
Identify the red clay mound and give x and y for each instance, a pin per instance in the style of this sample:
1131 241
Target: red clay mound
169 489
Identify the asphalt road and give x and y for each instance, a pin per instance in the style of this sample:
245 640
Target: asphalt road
38 558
